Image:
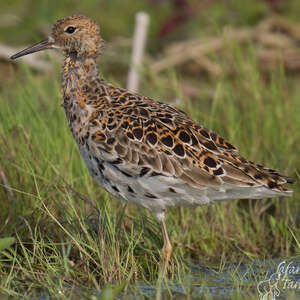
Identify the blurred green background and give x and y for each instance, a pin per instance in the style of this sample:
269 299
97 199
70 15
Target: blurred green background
247 91
23 21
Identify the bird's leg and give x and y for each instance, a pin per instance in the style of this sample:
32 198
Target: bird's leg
167 248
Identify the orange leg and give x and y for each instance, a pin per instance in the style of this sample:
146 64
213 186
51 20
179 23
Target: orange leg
167 248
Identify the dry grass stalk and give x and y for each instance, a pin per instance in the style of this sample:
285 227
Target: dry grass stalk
8 189
275 39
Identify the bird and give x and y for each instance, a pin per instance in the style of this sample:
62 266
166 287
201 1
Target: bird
144 151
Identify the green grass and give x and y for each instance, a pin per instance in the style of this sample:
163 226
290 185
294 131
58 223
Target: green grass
69 238
70 232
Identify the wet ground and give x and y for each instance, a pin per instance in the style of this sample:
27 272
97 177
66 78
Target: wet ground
277 278
274 279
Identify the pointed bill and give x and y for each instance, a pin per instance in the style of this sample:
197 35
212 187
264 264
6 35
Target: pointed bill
43 45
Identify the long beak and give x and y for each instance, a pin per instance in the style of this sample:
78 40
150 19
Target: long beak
45 44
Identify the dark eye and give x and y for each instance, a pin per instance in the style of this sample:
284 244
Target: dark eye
70 30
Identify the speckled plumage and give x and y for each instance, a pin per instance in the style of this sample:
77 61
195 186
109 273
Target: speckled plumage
143 151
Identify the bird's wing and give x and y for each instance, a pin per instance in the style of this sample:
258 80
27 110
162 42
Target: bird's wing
156 138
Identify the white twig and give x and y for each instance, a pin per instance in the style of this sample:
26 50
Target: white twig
139 42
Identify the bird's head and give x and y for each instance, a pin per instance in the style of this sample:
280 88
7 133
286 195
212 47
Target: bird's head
75 35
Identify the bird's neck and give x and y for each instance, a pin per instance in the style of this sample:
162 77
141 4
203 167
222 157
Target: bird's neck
80 67
79 78
78 74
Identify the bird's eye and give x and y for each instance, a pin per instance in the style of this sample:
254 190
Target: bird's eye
70 29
